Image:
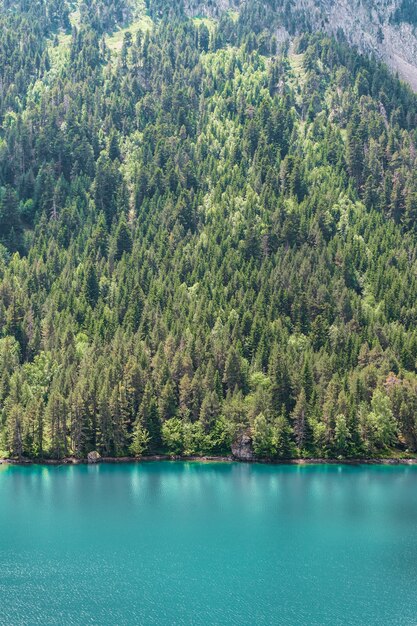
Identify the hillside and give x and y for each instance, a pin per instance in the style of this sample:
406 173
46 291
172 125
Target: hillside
384 28
203 236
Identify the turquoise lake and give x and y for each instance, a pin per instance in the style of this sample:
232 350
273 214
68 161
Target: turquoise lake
195 543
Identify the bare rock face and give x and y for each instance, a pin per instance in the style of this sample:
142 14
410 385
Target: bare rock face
242 448
209 8
93 457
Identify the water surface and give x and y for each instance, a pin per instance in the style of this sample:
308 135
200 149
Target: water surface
193 543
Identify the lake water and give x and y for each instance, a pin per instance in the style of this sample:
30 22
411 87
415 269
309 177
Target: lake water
193 543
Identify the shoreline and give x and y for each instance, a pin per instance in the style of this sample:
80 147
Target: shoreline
208 459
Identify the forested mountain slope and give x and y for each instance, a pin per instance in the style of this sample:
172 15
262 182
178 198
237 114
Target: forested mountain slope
384 28
201 237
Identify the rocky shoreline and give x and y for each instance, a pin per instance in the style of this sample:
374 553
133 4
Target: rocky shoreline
209 459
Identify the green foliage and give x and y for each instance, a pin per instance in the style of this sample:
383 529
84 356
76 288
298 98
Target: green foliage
381 420
341 435
173 436
140 440
201 235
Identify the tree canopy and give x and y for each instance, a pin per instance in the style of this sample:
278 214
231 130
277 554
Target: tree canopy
202 233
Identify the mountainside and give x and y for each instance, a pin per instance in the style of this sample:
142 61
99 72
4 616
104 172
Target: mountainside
384 28
206 239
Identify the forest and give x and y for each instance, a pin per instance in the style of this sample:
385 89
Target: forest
204 233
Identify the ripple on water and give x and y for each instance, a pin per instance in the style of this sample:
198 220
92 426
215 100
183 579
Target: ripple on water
208 544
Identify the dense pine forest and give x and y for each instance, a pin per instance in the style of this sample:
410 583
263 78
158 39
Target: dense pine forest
204 233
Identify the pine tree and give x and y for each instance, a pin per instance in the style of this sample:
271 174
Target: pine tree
300 421
91 286
149 417
123 239
56 422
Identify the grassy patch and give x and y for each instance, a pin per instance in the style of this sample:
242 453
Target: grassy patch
296 62
234 15
208 21
115 40
75 18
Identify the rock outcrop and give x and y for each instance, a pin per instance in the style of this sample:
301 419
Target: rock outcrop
242 448
93 457
210 8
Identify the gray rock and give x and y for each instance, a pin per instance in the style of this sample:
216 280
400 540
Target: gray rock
93 457
242 448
